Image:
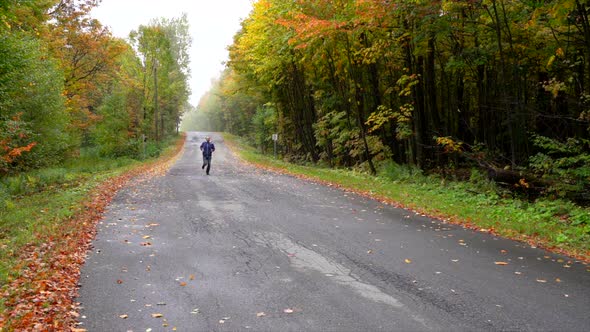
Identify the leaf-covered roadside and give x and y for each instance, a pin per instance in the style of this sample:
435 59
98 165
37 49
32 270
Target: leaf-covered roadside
41 296
540 224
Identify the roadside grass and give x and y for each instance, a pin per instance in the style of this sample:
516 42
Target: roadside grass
34 206
556 225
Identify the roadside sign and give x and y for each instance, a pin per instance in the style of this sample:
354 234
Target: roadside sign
275 137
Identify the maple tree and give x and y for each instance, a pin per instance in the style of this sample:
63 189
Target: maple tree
87 54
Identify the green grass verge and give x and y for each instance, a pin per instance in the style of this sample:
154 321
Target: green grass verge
557 225
33 204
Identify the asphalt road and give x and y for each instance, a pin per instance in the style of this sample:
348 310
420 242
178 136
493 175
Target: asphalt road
245 249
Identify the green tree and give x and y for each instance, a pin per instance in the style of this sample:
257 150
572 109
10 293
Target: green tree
30 89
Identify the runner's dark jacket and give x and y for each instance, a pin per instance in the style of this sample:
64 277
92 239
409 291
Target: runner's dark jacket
207 148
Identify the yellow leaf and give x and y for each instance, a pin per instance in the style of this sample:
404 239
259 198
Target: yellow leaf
551 60
123 316
408 261
501 263
260 314
157 315
183 284
191 277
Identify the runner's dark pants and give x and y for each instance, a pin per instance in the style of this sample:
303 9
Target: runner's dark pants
207 162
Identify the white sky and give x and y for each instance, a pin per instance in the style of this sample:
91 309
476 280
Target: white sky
212 27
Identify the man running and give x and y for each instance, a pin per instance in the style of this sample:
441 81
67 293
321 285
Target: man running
207 147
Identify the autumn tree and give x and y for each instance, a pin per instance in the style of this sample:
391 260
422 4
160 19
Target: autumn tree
501 81
87 54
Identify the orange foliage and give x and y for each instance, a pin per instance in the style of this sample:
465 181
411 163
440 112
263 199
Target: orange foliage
11 154
9 149
87 53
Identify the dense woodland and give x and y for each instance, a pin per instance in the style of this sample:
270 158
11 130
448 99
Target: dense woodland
68 86
502 86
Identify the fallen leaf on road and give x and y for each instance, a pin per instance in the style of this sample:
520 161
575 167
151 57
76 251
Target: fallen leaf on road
73 329
191 277
541 280
260 314
196 311
157 315
519 273
501 263
145 244
147 237
183 284
503 251
408 261
123 316
369 251
119 281
557 280
161 303
454 260
288 311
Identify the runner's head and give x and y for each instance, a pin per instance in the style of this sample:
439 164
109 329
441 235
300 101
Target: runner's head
207 138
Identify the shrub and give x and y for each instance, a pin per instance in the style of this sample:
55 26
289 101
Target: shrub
564 165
